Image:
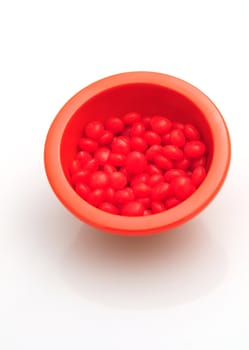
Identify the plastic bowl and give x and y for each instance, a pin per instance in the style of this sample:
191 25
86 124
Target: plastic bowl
148 93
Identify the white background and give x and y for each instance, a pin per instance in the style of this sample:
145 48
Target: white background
63 285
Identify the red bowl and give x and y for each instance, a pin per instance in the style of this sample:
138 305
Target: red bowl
148 93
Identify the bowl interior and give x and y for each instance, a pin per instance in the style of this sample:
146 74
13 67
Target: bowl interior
140 97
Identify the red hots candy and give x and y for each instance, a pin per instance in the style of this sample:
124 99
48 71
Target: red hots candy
138 165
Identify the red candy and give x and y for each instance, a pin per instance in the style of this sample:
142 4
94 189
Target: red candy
147 212
140 178
99 179
117 180
152 151
110 195
171 202
138 144
141 190
106 138
191 132
102 155
114 125
83 190
96 197
131 118
155 179
121 145
133 208
152 138
137 129
198 162
172 152
163 162
124 196
160 125
76 165
94 130
166 139
198 175
172 173
146 201
108 168
153 169
109 207
138 165
178 125
182 164
81 176
157 207
161 191
83 157
88 145
177 137
92 165
117 159
194 149
182 187
136 162
146 121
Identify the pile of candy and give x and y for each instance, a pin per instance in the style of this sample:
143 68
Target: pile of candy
138 165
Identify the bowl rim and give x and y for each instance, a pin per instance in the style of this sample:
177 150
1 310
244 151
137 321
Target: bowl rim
152 223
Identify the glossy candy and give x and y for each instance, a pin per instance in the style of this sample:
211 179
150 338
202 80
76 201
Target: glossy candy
171 202
96 197
87 144
155 179
138 165
117 180
182 187
198 175
172 152
161 191
131 117
152 138
83 156
163 162
133 208
106 138
92 165
194 149
139 178
81 176
138 144
172 173
157 207
141 190
136 162
102 155
121 145
114 125
94 129
83 190
125 195
191 132
138 129
152 151
109 207
116 159
177 137
99 179
160 125
75 166
110 195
